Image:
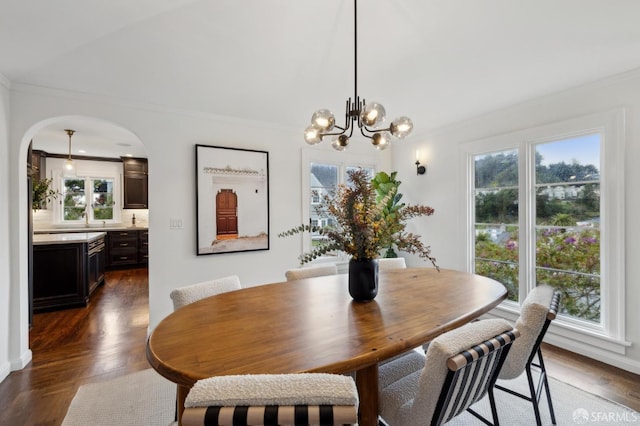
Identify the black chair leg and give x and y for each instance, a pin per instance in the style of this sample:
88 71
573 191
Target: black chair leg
494 410
546 385
534 398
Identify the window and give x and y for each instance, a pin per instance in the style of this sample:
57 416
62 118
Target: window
77 190
322 173
546 206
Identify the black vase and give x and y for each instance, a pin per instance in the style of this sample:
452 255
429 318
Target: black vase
363 279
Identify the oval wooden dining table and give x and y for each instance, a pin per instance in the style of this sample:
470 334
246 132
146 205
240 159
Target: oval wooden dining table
313 325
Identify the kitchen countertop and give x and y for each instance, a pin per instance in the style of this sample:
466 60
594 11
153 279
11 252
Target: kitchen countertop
67 238
89 229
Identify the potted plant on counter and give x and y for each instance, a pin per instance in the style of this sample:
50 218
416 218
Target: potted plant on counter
42 193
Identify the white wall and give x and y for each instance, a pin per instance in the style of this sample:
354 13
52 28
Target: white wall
4 229
441 187
169 138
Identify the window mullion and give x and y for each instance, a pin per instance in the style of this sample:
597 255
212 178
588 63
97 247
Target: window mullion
528 220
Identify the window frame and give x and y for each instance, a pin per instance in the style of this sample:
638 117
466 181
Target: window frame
610 333
342 160
88 186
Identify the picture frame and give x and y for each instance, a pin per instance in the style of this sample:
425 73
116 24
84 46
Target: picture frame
232 200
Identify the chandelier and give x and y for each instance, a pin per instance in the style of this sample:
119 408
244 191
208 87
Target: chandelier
368 117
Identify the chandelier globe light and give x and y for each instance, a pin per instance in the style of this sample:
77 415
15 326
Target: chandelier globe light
368 117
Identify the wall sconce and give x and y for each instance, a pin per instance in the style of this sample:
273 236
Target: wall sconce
420 170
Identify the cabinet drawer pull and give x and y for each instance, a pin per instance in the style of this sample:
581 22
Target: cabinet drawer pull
124 257
124 234
145 243
124 244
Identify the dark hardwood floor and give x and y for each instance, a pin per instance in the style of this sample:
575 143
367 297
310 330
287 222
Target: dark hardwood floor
77 346
107 340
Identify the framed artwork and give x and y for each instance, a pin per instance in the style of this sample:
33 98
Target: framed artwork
232 199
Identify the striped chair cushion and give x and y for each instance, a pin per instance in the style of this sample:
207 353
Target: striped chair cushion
271 415
471 373
272 399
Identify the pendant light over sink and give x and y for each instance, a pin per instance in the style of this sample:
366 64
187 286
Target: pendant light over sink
68 166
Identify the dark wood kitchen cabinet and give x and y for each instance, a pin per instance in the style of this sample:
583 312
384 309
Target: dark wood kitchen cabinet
143 247
97 263
66 274
136 182
127 248
123 248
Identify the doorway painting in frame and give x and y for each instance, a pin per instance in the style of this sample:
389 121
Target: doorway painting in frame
232 199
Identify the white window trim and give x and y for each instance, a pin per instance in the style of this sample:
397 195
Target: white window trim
610 335
86 169
340 159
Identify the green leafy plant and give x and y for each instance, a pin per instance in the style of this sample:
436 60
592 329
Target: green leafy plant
365 222
42 193
386 187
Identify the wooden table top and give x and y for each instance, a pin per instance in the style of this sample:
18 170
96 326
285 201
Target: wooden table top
312 325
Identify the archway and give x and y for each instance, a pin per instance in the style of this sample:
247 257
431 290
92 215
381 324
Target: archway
100 139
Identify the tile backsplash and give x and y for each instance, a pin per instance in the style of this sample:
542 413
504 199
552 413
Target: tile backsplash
43 219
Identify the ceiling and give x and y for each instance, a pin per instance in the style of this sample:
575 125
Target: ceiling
277 61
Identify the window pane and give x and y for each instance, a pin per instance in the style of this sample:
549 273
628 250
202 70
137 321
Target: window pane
496 218
568 222
497 206
496 254
369 170
102 199
497 169
323 180
74 199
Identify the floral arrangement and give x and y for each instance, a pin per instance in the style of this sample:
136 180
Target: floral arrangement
365 222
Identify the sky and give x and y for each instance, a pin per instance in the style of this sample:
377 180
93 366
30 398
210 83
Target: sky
585 149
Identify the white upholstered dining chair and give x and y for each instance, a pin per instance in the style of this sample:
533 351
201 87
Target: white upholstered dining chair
459 368
192 293
183 296
538 310
388 263
311 271
272 399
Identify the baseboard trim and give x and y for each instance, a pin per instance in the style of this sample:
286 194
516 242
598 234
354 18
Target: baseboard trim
22 361
610 358
4 371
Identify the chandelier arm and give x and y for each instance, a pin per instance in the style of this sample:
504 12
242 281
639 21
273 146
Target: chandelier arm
335 133
362 130
388 129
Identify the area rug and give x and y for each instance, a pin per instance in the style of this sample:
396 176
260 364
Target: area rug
138 399
147 399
